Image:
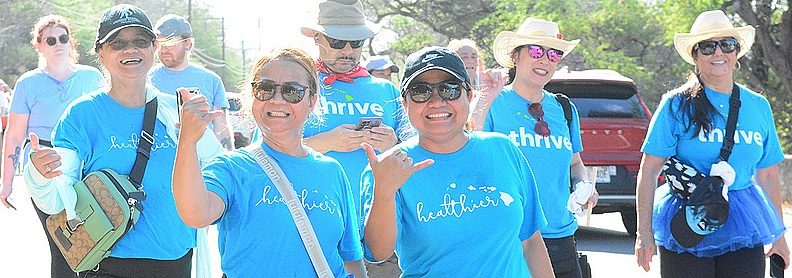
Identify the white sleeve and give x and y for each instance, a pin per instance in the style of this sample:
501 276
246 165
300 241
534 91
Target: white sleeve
54 195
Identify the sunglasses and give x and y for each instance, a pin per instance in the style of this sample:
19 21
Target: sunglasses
541 127
536 52
340 44
708 47
51 41
118 44
448 91
292 92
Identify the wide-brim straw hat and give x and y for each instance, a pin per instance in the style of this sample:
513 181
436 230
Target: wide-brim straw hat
532 31
343 20
712 24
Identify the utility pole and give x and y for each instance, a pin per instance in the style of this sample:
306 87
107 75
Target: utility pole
225 65
243 60
189 10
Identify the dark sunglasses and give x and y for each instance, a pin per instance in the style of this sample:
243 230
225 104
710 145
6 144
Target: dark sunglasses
536 52
118 44
340 44
708 47
292 92
51 41
422 92
541 127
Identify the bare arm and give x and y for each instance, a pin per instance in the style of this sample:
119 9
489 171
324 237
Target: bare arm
15 135
651 166
491 86
578 172
196 206
768 179
356 268
536 257
223 129
343 138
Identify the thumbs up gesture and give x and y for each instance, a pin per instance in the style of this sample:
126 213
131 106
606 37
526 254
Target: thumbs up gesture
46 160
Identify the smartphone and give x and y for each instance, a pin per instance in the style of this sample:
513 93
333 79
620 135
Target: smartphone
8 200
180 101
777 265
368 123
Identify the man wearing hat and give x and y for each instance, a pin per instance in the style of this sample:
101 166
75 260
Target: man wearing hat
174 35
349 93
380 66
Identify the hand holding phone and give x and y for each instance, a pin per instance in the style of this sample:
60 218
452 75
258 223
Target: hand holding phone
180 100
777 266
368 123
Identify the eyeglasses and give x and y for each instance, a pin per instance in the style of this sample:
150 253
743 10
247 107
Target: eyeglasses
708 47
118 44
292 92
536 52
541 127
340 44
51 41
170 43
448 91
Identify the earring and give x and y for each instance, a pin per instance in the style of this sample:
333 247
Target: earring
738 66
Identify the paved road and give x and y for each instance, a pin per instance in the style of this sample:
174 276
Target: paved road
23 249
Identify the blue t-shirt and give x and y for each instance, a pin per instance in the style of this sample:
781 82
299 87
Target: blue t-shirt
755 140
345 103
257 235
105 134
467 214
45 98
167 81
549 157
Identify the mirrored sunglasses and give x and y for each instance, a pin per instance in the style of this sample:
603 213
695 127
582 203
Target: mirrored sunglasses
541 127
119 44
340 44
536 52
63 39
292 92
448 91
708 47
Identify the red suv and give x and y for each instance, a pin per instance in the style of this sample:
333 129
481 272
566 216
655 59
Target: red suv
613 124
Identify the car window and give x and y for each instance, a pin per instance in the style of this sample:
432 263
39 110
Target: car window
601 100
233 104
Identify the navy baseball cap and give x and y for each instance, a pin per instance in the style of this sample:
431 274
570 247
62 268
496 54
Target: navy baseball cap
705 211
172 26
433 58
119 17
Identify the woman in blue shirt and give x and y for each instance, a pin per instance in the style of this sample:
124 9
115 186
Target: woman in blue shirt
690 124
469 208
235 193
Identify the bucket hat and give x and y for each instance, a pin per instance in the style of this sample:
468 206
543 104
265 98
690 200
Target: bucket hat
712 24
531 31
343 20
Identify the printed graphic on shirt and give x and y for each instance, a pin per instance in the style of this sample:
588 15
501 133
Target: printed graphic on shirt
310 200
740 136
132 141
463 200
524 137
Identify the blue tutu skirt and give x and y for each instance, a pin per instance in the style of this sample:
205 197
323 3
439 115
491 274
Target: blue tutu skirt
753 221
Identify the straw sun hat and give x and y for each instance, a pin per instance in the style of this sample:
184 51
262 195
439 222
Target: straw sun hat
712 24
532 31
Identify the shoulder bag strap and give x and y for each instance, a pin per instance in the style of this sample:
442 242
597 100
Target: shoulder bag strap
143 152
564 101
304 226
731 124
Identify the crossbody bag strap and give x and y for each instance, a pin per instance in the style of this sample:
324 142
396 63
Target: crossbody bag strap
144 144
304 226
731 124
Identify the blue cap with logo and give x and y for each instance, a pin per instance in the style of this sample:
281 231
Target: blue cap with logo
704 212
433 58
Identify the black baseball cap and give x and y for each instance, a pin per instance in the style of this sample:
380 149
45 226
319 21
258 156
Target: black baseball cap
119 17
705 211
433 58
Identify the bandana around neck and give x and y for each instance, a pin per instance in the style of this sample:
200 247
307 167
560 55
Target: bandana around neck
356 72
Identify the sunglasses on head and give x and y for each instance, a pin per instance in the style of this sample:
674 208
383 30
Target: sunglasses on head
292 92
340 44
536 52
708 47
422 92
541 127
119 44
51 41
